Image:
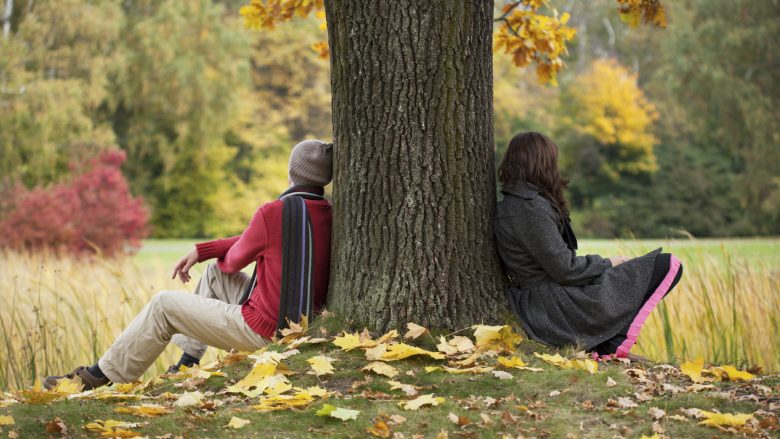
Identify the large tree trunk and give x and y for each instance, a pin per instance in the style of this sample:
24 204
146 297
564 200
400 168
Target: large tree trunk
414 185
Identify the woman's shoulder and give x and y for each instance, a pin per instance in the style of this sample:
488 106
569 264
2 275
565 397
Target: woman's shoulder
523 201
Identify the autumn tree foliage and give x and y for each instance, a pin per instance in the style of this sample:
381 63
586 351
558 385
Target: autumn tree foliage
91 212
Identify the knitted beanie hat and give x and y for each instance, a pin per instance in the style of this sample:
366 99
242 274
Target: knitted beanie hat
311 163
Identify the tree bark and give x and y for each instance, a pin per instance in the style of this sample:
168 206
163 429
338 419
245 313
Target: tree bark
414 181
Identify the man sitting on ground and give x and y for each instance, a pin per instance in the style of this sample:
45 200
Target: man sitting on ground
288 239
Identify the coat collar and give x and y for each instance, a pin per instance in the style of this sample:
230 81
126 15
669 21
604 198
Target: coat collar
309 192
523 189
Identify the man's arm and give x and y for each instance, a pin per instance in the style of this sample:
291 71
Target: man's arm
247 248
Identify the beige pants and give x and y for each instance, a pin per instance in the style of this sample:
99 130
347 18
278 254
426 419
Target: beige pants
210 317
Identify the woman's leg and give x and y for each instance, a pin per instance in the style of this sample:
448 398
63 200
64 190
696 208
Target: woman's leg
661 269
209 321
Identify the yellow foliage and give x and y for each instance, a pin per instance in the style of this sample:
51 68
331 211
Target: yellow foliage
609 106
6 420
647 11
259 14
528 36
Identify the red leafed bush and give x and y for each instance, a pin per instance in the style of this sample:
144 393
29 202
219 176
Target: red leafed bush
93 211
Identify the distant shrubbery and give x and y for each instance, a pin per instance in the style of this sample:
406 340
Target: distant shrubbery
92 211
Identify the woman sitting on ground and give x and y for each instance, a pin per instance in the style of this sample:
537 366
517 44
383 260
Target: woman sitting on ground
599 304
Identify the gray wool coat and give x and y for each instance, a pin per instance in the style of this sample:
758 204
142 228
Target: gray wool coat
561 298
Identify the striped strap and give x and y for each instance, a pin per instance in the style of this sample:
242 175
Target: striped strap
295 299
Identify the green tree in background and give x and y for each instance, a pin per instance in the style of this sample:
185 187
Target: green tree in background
176 97
54 75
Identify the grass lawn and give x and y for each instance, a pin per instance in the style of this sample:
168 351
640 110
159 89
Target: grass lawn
619 399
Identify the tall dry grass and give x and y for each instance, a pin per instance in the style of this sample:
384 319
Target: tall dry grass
57 313
724 310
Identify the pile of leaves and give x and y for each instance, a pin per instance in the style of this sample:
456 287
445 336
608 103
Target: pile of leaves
483 381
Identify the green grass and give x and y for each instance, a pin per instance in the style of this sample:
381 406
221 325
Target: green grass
582 407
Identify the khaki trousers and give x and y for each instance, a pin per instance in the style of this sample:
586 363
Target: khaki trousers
210 317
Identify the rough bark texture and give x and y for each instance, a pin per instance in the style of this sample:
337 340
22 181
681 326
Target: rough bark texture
414 187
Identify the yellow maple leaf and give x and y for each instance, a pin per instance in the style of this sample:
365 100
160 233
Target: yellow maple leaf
338 412
249 385
197 372
321 365
382 369
145 410
408 389
735 374
376 352
347 342
189 399
588 365
495 337
510 362
693 370
113 428
724 419
237 423
415 404
7 420
414 330
283 402
474 369
68 386
38 395
402 350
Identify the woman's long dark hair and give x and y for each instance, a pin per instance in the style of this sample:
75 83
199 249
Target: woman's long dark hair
532 157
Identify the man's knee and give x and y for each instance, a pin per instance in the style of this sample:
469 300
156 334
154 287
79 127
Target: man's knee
165 300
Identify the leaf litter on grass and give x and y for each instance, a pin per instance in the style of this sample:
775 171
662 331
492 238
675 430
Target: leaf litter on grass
269 384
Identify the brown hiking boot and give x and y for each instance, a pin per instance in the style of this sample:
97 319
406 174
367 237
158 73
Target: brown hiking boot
90 381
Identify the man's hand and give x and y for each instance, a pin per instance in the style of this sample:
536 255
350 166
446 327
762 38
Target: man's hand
182 268
617 260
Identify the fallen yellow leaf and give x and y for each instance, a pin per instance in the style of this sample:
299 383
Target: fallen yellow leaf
693 370
420 401
189 399
321 365
496 337
237 423
408 389
376 352
283 402
402 350
735 374
146 410
347 342
7 420
557 360
414 330
382 369
724 419
338 412
250 384
510 362
66 386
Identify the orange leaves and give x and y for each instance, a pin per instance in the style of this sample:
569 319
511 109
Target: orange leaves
265 14
529 37
646 11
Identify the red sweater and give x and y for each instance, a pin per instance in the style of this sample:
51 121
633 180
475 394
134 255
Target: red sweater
261 242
